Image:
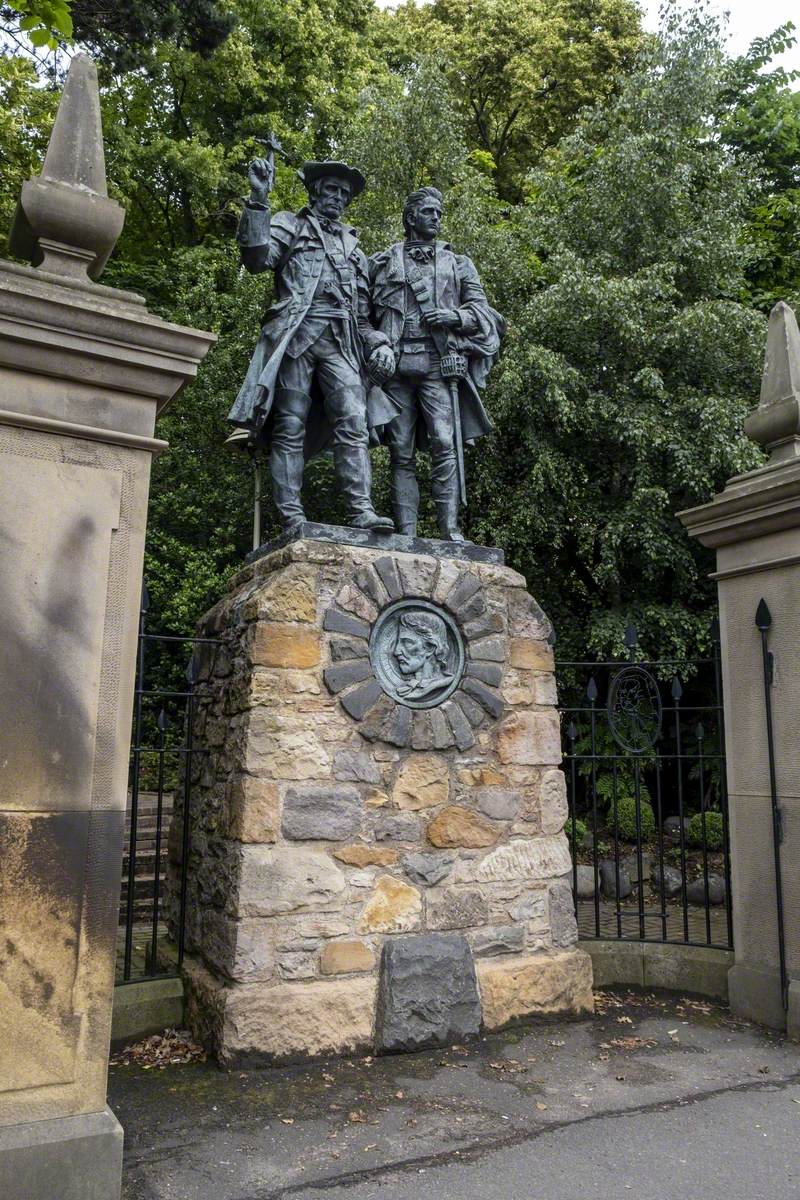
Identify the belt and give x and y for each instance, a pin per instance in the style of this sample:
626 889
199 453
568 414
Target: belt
328 313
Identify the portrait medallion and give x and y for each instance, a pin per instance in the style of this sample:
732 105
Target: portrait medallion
417 653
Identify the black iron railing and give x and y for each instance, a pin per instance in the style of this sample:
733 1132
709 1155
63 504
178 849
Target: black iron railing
644 758
161 762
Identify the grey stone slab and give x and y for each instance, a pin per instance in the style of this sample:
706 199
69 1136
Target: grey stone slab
336 621
344 649
362 700
387 569
462 591
488 700
370 585
382 710
422 730
397 728
490 622
501 804
498 939
347 673
471 710
398 827
68 1158
428 869
563 927
489 649
427 994
312 812
351 766
457 908
462 730
442 733
345 536
487 672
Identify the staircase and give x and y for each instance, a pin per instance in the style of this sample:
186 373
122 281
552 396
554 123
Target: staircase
145 855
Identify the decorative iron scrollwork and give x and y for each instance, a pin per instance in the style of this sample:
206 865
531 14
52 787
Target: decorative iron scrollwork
634 709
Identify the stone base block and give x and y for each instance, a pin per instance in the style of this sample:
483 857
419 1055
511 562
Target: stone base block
428 993
756 995
535 985
147 1007
702 970
288 1022
71 1158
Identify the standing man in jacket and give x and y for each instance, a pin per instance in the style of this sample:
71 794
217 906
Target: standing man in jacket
306 387
429 303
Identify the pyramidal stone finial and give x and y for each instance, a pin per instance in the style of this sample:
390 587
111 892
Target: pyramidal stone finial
775 424
65 223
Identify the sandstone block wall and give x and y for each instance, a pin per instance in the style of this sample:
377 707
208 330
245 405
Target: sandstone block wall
328 820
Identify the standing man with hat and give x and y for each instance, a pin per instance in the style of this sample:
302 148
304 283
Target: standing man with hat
445 336
307 386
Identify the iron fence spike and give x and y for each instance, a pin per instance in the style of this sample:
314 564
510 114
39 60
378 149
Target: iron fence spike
145 598
591 690
701 733
677 690
162 721
631 636
763 615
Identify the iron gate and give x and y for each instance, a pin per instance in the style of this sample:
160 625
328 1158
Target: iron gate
644 758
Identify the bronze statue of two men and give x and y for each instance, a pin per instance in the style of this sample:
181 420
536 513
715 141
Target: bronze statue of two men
353 352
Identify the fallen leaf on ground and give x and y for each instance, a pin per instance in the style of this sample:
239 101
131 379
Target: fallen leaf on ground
171 1048
541 1107
357 1117
624 1021
287 1120
509 1065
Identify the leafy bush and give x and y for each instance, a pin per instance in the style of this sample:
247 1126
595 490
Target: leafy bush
580 832
714 831
626 819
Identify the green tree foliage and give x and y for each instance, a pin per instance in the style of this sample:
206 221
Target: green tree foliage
631 365
760 120
520 70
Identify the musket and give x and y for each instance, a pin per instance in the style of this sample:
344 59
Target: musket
453 367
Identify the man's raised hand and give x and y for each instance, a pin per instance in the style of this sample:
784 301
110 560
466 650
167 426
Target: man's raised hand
261 176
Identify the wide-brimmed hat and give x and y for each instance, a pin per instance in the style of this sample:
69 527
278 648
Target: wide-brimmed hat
312 171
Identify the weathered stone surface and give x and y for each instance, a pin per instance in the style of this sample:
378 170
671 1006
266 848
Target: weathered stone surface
696 891
530 739
487 672
481 776
500 804
449 574
387 570
459 826
545 690
274 880
282 645
608 880
456 908
372 585
394 907
283 751
418 576
442 733
361 700
288 596
422 730
488 700
563 927
428 869
586 887
497 939
526 654
314 812
489 623
488 649
357 767
297 964
470 708
540 984
462 730
398 827
242 950
344 958
422 782
345 674
360 855
396 729
671 881
428 994
532 858
381 711
527 619
252 809
343 649
336 621
553 806
463 591
353 600
294 1021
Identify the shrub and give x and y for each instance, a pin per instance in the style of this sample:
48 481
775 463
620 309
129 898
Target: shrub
714 831
626 819
580 833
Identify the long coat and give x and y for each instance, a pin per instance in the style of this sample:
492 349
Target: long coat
292 245
457 287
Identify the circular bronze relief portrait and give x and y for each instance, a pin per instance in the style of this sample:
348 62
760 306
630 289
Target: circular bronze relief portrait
416 653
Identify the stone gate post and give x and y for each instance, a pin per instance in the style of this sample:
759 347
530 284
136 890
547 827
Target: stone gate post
84 369
754 526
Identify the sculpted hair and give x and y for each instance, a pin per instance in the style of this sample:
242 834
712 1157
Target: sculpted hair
433 630
415 199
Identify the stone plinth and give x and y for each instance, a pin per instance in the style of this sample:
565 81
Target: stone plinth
360 833
754 526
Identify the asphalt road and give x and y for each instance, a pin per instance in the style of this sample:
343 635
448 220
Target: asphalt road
662 1098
